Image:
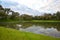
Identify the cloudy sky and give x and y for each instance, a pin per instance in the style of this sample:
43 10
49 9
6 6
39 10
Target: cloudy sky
50 6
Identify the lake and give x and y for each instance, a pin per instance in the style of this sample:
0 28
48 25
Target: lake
49 29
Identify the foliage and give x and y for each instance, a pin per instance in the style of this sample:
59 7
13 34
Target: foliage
8 14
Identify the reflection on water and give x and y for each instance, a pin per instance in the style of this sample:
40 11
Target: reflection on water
44 25
51 29
41 30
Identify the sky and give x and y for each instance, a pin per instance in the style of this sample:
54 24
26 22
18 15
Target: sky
49 6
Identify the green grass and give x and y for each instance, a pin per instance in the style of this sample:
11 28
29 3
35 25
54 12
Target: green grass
12 34
45 20
19 21
42 21
9 21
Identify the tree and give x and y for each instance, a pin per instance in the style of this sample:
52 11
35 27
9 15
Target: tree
15 15
26 17
2 14
58 15
7 10
1 8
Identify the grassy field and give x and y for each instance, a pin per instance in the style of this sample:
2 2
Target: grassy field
12 34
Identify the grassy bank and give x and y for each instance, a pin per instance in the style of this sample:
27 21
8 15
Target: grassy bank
9 21
12 34
42 21
19 21
45 20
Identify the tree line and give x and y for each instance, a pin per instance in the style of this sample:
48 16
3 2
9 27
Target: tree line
8 14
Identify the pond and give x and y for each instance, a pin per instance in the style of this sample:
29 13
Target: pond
50 29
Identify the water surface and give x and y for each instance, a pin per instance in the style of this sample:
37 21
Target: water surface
50 29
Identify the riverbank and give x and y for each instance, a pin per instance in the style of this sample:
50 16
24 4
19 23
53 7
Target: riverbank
20 21
45 20
12 34
42 21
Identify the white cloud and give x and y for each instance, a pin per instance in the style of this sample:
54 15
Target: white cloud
52 7
40 5
34 4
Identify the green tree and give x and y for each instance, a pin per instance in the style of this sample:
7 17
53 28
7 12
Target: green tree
58 15
1 8
26 17
15 15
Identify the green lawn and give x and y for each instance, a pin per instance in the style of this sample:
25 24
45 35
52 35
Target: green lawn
41 21
45 20
12 34
18 21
